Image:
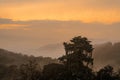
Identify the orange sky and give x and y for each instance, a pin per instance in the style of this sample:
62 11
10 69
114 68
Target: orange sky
105 11
29 24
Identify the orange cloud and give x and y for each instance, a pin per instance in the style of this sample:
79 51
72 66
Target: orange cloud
86 11
12 26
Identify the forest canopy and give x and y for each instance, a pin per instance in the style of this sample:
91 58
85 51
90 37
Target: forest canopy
76 64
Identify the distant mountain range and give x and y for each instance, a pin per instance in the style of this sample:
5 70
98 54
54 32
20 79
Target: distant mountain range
51 50
10 58
104 54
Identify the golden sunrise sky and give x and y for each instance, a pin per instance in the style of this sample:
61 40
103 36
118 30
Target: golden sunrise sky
105 11
30 24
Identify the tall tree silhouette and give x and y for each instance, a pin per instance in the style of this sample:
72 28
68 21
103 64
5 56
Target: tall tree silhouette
78 58
78 50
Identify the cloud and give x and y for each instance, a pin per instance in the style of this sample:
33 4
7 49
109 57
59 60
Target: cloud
43 32
19 2
103 3
10 24
106 11
77 3
5 21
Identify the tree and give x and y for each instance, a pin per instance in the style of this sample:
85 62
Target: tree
30 71
78 58
105 73
3 71
53 71
78 50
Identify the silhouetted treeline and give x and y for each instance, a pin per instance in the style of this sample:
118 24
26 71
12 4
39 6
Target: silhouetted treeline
76 64
10 58
11 62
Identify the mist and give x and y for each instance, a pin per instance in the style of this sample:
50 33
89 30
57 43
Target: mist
34 34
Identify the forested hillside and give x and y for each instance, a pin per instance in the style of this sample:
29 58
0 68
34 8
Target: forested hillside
11 58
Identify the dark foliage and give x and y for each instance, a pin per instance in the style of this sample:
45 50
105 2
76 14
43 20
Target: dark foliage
76 64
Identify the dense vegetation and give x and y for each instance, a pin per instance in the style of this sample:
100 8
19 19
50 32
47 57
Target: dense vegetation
76 64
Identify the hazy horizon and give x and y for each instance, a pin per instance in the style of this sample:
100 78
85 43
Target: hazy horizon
30 24
22 36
